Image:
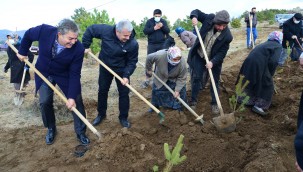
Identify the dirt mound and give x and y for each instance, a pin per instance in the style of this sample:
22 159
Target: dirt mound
258 144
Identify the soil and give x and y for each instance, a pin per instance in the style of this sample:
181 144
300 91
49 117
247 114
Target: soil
257 144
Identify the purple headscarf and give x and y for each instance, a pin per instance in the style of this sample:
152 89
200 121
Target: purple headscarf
276 36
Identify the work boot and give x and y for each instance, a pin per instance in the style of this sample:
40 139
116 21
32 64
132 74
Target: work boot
215 110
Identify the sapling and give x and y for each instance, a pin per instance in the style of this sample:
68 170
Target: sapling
239 93
174 157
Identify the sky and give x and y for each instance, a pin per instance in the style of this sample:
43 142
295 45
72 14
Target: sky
24 14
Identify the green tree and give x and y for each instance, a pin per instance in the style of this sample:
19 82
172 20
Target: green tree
235 23
139 28
85 19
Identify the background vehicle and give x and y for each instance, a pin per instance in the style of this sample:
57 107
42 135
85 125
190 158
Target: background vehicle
34 50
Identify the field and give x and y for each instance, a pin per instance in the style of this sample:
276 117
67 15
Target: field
258 144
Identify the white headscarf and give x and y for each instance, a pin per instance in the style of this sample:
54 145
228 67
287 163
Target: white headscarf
172 53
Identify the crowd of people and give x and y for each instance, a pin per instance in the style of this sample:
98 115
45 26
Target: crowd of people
61 56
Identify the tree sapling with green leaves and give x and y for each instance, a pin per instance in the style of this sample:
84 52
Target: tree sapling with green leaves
239 93
174 157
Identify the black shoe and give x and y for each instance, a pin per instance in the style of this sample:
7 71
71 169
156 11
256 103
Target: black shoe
83 139
98 120
259 111
50 136
125 123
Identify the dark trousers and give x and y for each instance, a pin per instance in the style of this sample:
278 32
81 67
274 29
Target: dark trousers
151 48
299 137
105 80
47 109
198 76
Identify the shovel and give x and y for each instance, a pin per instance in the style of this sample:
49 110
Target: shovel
198 118
299 44
58 93
224 122
19 99
161 115
251 34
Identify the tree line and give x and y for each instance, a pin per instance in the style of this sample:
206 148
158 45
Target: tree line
84 19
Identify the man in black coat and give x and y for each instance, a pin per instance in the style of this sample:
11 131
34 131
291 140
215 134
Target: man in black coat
157 31
259 68
119 51
216 37
292 31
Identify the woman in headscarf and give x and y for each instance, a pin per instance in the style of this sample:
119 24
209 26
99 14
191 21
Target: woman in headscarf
259 68
171 69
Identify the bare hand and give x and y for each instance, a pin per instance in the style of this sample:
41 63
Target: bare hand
87 50
156 27
124 81
177 94
194 21
294 37
70 104
21 57
209 65
160 24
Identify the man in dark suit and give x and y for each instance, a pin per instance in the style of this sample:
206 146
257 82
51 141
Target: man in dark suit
119 51
60 61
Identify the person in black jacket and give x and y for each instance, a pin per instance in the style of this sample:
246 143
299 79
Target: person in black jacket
216 38
16 66
259 68
292 31
119 51
157 31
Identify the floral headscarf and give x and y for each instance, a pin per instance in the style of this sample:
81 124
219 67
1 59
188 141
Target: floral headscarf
172 53
276 36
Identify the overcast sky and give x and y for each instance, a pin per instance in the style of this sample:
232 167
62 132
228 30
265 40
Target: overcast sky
23 14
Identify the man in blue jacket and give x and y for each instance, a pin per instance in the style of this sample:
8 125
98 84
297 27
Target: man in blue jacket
60 61
157 31
216 37
119 51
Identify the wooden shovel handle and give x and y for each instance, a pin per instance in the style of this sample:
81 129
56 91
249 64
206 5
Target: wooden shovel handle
210 72
299 44
251 34
129 86
57 92
170 90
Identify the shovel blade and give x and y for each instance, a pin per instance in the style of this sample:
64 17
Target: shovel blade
225 123
18 100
